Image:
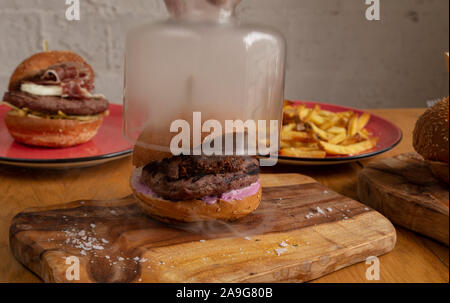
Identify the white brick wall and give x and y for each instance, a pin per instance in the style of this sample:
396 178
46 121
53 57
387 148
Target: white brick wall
334 54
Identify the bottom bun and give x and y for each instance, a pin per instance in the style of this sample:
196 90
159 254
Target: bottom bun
439 170
51 132
196 210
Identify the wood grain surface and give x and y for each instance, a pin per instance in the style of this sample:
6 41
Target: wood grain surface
300 232
415 258
404 190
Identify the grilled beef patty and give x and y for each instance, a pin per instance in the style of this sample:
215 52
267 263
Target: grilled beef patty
51 105
195 177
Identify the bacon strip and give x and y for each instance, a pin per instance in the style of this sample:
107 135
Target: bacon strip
74 78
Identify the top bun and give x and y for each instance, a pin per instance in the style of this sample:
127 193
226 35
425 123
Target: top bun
154 142
154 137
39 62
144 151
430 138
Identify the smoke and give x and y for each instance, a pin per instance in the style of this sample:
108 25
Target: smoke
257 223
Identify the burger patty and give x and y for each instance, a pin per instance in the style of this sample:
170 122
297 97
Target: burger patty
51 105
196 177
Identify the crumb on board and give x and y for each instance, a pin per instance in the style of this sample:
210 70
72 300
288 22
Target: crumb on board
284 244
280 251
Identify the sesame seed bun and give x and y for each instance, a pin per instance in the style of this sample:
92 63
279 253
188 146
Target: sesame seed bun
35 64
430 137
51 132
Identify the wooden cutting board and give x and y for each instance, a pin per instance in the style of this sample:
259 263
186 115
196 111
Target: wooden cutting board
301 231
404 190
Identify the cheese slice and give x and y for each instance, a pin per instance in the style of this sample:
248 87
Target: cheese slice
41 90
52 90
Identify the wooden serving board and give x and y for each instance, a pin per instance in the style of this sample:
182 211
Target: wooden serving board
404 190
301 231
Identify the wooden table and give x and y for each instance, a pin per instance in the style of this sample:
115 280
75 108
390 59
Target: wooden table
414 259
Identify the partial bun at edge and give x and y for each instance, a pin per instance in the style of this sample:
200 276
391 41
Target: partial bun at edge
51 132
431 138
35 64
197 210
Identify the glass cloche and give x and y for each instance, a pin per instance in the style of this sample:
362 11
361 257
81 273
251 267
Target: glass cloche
202 60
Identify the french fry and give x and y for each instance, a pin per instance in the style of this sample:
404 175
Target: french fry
326 113
338 138
337 130
289 113
332 120
321 133
351 140
305 114
307 145
353 125
306 148
353 149
296 136
343 122
289 127
312 145
299 153
346 114
314 132
285 144
316 118
363 120
364 133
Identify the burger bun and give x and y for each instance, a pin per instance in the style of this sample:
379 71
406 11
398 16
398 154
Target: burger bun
35 64
51 132
188 211
430 138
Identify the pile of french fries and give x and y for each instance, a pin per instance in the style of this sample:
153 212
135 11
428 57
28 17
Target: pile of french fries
316 133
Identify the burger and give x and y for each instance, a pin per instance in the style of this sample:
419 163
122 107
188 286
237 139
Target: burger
52 101
430 138
189 188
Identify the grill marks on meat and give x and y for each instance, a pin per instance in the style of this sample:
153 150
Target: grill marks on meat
183 167
74 78
195 177
51 105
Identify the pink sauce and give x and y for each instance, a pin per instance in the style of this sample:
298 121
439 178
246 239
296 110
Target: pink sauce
229 196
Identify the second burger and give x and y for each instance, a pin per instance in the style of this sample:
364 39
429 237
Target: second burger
52 102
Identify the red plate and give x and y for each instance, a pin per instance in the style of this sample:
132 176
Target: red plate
388 133
107 145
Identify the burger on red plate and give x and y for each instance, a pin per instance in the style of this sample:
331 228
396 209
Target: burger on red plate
52 101
193 188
